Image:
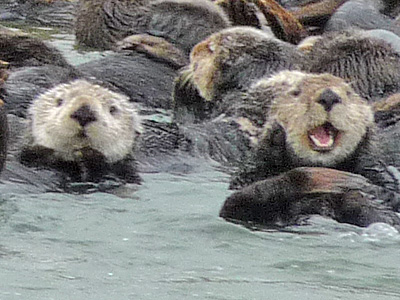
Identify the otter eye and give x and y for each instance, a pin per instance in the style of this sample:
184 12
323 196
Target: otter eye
113 110
348 93
295 93
59 101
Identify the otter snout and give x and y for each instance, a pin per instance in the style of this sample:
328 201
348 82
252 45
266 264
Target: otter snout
328 99
84 115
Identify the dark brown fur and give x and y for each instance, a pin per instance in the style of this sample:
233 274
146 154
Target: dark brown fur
370 65
228 62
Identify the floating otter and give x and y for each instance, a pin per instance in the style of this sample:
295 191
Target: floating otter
181 22
33 68
363 14
266 15
226 62
370 65
83 130
313 121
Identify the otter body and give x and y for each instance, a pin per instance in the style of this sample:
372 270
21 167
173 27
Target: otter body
363 14
59 13
311 120
22 50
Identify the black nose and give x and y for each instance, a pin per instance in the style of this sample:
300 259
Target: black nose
84 115
328 99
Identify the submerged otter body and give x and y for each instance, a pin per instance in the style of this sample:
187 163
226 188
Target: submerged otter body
370 65
84 131
142 71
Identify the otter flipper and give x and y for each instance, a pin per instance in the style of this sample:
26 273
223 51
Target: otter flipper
289 198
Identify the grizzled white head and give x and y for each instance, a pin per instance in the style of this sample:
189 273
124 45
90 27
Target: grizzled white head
80 114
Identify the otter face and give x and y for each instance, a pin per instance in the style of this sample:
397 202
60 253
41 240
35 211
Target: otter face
324 120
73 116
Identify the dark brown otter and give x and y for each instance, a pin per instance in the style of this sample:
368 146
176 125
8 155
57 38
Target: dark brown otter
101 23
228 62
312 120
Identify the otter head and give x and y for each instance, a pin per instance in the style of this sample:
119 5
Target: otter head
233 57
77 115
323 119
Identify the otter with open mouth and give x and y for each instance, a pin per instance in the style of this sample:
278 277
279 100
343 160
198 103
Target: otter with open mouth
315 154
312 120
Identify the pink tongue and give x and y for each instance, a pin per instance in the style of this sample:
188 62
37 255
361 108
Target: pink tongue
321 134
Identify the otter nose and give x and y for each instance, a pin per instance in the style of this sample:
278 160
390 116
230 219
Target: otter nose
84 115
328 99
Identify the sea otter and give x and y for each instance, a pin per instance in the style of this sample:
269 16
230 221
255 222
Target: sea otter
83 130
317 131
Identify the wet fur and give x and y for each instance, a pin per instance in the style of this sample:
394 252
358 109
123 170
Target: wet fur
282 143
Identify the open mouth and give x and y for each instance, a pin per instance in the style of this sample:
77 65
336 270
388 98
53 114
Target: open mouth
323 138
